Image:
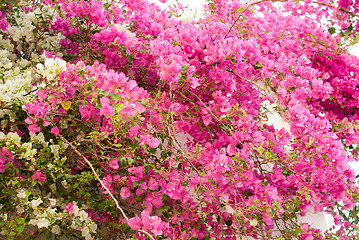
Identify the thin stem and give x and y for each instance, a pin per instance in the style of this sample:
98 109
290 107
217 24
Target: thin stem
102 184
241 14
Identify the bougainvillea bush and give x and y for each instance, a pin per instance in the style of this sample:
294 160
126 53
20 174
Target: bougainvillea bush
120 120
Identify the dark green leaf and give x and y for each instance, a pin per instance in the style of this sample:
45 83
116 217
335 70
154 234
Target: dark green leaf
331 30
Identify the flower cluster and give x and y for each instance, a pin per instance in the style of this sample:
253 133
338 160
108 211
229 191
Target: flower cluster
121 119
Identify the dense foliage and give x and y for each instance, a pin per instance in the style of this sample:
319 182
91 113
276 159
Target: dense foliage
96 98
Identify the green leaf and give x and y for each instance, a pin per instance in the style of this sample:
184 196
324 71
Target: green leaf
129 58
307 197
196 225
184 70
260 150
116 97
244 112
153 150
258 65
331 30
164 155
350 28
20 221
276 205
134 146
142 50
52 220
229 222
20 228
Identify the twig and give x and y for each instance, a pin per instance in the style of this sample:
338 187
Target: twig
102 184
268 94
241 14
332 6
316 2
213 115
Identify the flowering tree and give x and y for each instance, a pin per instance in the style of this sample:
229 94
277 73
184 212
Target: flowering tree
95 94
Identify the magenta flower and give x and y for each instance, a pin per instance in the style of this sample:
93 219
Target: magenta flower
5 157
3 24
30 120
207 119
41 94
46 123
132 132
106 108
125 192
153 142
135 222
55 131
69 207
39 176
85 112
152 223
157 201
114 163
153 184
33 129
3 167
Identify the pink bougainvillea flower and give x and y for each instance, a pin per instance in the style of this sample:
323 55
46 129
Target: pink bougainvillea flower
152 223
46 123
18 132
114 163
153 142
258 137
138 171
135 223
106 109
39 176
33 129
55 131
132 132
231 149
5 158
41 94
153 184
176 107
157 201
207 119
337 219
30 120
150 141
125 192
3 167
70 207
85 112
267 219
131 85
347 224
3 24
